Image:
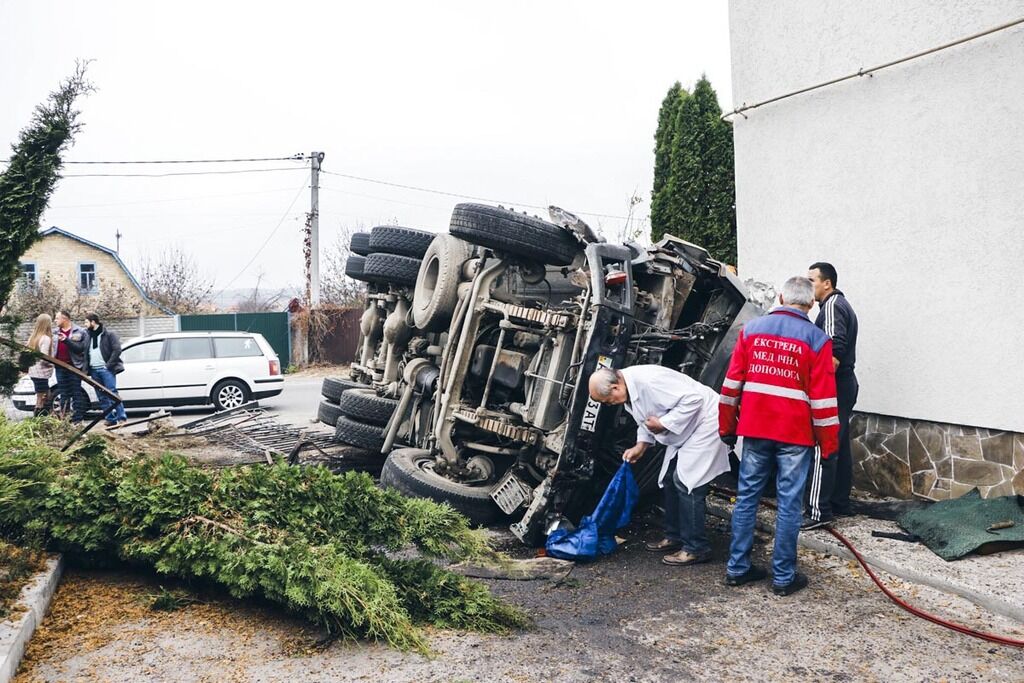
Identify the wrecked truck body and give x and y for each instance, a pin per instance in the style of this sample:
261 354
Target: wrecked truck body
510 316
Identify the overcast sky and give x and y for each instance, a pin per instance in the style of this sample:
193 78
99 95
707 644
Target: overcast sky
527 102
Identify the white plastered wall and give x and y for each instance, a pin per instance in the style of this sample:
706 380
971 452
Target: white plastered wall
910 181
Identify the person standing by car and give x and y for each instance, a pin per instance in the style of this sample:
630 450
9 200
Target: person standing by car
41 372
779 394
70 342
104 364
831 478
682 414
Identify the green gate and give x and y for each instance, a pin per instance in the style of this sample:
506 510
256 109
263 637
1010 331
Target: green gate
273 326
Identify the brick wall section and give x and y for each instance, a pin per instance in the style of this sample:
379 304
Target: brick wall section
894 456
125 328
58 257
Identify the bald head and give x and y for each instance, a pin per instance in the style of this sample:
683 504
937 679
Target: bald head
608 387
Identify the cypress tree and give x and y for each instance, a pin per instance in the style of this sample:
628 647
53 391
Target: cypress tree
663 138
700 190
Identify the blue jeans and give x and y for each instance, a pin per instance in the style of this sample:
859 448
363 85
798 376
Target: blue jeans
109 380
73 398
684 513
792 462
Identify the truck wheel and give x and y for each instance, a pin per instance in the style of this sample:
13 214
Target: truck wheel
333 387
360 243
394 239
370 437
410 471
328 413
354 266
391 269
365 405
514 233
437 284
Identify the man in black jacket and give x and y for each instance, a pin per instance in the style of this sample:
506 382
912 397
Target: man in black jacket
830 479
104 356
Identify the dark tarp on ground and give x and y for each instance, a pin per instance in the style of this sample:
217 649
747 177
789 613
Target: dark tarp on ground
953 528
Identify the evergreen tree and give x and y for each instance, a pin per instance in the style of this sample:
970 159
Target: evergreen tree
700 192
663 138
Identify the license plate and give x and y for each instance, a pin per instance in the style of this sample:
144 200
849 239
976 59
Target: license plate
593 408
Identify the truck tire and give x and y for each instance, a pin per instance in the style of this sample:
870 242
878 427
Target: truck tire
394 239
514 233
332 387
391 269
408 470
370 437
437 283
328 413
354 266
366 406
360 243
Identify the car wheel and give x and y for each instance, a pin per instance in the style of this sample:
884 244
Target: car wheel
411 472
514 233
391 269
328 413
370 437
394 239
333 387
366 405
229 394
360 243
437 283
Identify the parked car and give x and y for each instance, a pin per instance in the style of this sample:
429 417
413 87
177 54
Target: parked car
510 314
225 369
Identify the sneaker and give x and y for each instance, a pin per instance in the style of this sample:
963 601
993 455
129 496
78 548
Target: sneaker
665 545
684 558
799 582
809 524
755 573
109 423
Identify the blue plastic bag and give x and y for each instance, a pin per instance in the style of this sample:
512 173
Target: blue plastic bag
595 534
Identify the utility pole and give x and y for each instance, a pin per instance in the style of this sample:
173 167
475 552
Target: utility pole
315 159
118 236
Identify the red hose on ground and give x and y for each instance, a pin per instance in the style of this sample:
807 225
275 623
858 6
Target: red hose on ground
916 611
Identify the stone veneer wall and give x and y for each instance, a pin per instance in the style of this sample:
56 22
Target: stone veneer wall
905 458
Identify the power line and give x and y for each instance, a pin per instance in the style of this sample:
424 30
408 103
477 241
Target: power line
178 173
294 157
869 71
459 196
273 232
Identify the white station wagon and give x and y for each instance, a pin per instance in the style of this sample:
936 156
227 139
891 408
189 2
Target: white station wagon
188 368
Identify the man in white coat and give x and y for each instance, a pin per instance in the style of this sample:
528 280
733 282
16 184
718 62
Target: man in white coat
682 414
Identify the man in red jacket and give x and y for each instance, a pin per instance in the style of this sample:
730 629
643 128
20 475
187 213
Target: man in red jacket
779 394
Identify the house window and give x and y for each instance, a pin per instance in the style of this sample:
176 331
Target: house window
87 277
28 273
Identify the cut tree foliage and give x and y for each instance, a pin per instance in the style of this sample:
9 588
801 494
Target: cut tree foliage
314 542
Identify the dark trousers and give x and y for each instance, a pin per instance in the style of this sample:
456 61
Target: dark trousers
72 396
684 513
830 479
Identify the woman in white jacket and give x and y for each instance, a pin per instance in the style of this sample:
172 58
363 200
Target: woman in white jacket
42 341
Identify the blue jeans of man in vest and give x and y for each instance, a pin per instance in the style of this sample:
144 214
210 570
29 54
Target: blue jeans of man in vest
109 380
792 462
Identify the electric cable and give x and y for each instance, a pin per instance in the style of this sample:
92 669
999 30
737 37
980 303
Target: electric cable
273 232
179 173
294 157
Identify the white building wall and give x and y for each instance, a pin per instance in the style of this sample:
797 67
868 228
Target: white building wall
910 181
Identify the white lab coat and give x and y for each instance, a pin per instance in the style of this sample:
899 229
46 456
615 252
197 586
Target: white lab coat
689 412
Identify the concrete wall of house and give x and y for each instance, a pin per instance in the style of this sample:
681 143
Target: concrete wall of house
126 328
909 181
58 257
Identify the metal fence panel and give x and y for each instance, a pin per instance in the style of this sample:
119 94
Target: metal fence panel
273 326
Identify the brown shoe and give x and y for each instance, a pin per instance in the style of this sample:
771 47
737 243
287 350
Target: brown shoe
683 558
663 546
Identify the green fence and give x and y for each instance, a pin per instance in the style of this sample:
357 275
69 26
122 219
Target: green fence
273 326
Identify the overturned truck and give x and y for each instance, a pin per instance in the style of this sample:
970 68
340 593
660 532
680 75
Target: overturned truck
472 376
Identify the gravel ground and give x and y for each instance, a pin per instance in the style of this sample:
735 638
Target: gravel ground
626 618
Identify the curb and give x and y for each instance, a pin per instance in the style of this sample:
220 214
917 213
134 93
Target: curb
36 596
829 545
